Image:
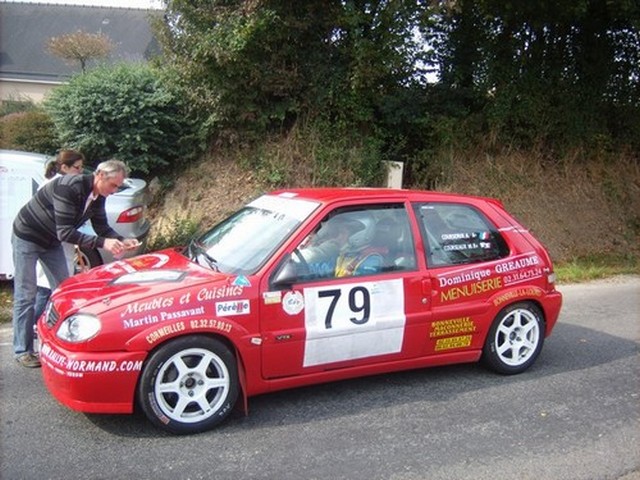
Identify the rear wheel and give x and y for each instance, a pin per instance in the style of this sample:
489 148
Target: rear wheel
515 339
189 385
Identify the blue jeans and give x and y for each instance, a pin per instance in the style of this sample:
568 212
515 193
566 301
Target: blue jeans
25 256
42 297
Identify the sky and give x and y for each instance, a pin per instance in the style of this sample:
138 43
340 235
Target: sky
100 3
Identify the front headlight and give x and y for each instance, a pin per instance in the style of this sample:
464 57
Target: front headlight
78 328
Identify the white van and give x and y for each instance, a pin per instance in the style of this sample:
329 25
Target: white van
22 173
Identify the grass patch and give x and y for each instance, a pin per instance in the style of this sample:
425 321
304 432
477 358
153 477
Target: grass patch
6 301
579 207
594 267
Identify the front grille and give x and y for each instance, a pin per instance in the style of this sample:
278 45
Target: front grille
52 315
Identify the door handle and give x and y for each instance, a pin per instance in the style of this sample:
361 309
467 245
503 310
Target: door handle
426 287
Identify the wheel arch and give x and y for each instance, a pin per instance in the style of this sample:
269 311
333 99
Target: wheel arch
533 295
227 341
86 258
532 301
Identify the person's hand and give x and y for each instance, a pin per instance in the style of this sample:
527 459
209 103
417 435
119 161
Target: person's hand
113 245
131 243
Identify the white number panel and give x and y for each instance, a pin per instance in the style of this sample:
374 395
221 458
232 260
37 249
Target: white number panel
351 321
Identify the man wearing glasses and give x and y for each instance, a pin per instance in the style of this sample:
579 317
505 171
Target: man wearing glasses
53 215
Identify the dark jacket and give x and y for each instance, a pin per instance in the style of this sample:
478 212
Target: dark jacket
55 213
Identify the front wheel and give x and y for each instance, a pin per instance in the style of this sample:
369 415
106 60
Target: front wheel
189 385
515 339
86 259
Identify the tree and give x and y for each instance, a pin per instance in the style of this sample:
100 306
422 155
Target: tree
558 72
266 63
80 47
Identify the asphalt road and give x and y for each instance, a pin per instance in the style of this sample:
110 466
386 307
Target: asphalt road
574 415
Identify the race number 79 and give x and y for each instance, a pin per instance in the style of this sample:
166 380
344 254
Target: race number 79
359 301
353 320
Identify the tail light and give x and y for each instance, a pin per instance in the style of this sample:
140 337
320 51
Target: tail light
131 215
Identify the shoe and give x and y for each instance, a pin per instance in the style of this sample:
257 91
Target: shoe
28 360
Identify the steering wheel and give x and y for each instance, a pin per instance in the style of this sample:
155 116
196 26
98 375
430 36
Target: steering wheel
302 266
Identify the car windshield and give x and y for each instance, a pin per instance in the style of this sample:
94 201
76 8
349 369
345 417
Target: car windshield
244 241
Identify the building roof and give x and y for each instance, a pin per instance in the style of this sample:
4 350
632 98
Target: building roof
25 29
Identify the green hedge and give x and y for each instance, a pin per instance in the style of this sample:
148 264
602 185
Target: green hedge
127 112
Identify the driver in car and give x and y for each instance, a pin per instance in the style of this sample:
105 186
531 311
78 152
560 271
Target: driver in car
323 248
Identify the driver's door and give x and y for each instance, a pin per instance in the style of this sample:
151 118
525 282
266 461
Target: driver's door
318 321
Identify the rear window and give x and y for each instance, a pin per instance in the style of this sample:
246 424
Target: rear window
456 234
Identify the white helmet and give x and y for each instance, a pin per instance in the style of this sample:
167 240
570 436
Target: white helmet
363 237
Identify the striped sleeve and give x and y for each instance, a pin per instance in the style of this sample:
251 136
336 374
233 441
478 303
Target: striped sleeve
98 216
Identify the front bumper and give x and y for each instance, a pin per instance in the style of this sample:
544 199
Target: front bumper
103 382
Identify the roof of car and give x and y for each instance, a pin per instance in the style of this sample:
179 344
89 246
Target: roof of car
330 195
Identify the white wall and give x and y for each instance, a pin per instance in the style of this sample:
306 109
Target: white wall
25 90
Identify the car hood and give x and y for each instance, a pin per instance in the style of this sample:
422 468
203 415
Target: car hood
146 276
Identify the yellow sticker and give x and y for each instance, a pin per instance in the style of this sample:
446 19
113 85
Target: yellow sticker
453 342
443 328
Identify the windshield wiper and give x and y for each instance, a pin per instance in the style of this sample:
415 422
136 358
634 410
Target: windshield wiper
201 252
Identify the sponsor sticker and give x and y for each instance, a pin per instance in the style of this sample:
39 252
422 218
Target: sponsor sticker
453 342
233 307
271 298
293 303
242 281
443 328
73 367
471 289
516 294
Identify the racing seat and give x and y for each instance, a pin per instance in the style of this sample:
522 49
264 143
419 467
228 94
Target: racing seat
386 238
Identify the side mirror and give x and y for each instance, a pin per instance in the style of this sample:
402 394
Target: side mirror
286 274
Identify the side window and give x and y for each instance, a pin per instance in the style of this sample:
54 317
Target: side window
455 234
351 242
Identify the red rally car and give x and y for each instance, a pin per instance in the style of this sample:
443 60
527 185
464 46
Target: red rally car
300 287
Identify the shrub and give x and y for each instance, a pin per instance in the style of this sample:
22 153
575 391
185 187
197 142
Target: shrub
318 153
32 131
128 112
16 104
176 231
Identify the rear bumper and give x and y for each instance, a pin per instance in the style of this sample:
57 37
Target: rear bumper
552 304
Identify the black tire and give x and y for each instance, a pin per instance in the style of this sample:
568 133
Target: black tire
87 259
515 339
197 394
